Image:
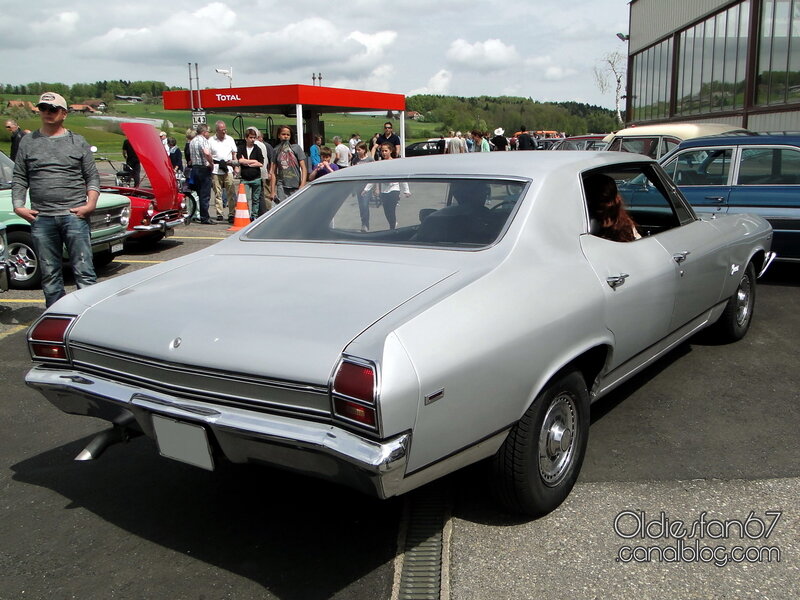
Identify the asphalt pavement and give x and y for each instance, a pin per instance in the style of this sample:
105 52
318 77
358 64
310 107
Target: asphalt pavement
706 439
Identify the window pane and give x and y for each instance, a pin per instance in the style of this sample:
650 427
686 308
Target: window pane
703 167
769 166
442 212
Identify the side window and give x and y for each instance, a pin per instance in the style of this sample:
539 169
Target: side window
639 145
703 166
668 144
769 166
645 197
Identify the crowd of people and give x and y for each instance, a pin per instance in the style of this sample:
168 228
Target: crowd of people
271 173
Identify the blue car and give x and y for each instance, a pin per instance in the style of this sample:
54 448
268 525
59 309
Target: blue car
756 174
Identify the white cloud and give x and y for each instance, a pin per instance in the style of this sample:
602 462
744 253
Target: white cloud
61 24
359 45
482 56
438 84
557 73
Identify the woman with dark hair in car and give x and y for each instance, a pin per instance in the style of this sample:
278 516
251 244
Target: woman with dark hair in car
607 212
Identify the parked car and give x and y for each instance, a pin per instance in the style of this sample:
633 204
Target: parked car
4 275
478 322
426 148
758 174
108 222
590 141
657 140
157 211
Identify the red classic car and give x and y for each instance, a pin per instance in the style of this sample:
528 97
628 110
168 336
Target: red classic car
154 212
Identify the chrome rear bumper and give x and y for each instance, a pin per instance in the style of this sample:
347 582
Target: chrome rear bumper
318 449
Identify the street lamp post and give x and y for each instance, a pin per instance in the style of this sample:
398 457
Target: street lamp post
227 73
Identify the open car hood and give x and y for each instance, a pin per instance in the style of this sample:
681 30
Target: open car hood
150 150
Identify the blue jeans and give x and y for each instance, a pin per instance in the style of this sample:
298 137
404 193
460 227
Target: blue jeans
50 235
253 191
201 176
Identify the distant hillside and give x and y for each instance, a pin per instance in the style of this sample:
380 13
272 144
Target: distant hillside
487 113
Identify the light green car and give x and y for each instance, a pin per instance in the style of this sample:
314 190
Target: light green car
109 224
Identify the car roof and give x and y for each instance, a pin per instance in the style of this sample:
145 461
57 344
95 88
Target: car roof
587 136
531 165
683 131
790 139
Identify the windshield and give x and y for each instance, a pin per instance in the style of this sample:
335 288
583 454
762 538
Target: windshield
452 213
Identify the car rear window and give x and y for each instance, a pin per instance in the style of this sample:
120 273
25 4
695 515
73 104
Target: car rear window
447 213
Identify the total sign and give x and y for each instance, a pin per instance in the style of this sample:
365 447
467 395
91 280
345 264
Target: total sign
228 97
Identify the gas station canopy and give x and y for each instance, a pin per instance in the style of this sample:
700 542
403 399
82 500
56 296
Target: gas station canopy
290 100
283 99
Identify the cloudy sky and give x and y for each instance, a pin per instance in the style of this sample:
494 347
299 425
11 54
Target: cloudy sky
543 49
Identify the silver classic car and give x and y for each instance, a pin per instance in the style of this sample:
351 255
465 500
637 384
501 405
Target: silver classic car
396 321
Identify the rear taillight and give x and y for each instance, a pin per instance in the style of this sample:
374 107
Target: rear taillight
354 392
47 338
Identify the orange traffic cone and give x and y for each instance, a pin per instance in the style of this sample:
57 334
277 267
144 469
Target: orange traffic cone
242 218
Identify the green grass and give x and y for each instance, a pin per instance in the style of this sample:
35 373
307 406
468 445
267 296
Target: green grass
108 140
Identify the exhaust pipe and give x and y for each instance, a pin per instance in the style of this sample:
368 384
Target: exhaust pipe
116 434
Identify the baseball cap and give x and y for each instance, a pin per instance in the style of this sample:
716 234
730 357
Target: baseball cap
52 99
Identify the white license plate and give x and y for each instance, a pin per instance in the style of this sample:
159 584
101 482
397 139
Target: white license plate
183 441
116 248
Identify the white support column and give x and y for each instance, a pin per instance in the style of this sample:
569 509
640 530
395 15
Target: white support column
300 125
402 134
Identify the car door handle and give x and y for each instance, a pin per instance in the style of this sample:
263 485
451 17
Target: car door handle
716 198
680 256
617 280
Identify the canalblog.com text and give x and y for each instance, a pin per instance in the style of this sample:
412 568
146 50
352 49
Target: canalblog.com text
696 541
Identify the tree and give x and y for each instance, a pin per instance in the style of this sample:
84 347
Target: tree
611 71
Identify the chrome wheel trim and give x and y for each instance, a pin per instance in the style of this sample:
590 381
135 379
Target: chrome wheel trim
22 261
557 439
744 296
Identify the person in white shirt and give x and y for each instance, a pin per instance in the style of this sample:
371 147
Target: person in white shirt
342 153
223 151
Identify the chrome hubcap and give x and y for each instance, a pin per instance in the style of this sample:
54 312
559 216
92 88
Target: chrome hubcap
22 261
556 439
743 301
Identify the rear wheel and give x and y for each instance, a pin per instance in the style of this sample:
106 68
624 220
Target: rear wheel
23 261
738 314
535 469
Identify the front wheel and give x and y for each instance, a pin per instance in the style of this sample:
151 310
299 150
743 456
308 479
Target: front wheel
102 259
738 314
26 274
538 464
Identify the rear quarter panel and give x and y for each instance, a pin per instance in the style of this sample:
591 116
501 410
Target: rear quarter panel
494 343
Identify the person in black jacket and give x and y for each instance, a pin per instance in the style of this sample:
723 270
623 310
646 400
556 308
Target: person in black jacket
251 159
16 135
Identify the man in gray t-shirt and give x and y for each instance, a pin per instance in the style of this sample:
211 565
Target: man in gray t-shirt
56 168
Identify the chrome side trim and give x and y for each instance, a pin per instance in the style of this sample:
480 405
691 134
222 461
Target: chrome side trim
768 258
199 371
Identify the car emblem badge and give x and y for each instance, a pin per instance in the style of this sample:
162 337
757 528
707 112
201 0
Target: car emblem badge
175 343
108 218
734 269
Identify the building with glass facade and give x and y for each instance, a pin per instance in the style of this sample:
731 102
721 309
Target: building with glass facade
715 60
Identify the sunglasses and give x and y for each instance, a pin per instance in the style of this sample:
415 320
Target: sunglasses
48 108
388 127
